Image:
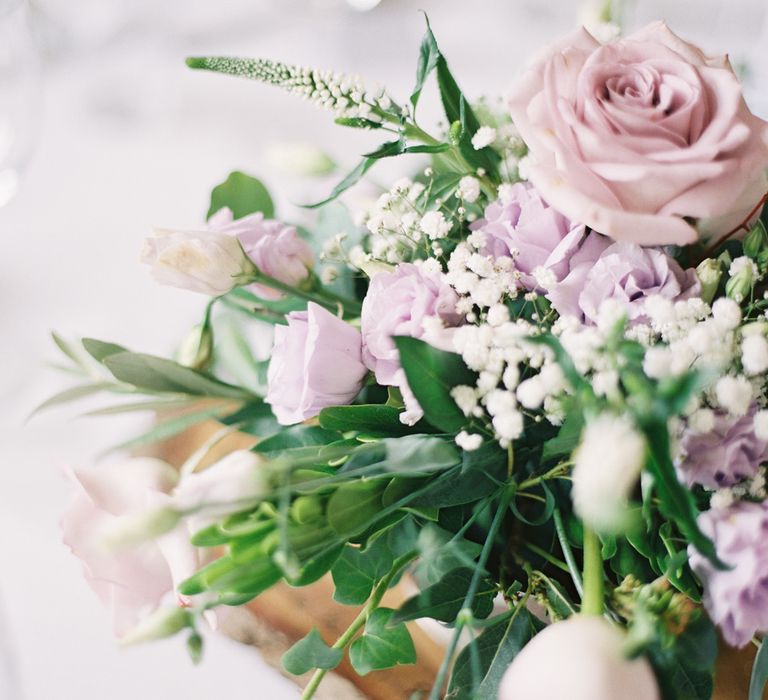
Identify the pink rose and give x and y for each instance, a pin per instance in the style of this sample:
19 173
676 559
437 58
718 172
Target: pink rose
316 362
272 246
398 303
131 582
639 137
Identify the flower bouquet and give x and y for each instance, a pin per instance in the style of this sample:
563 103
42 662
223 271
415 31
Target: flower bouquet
530 379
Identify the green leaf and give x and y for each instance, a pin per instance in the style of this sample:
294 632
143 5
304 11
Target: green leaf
293 437
381 645
429 55
566 440
354 506
410 455
157 374
69 350
494 650
759 673
677 502
358 123
243 195
371 419
99 349
441 553
351 179
73 393
311 652
431 374
444 599
357 571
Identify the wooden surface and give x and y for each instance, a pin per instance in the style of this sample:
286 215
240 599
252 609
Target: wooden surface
283 615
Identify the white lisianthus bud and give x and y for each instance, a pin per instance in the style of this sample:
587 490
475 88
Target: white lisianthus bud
587 653
235 482
196 351
709 272
140 526
201 261
607 465
164 622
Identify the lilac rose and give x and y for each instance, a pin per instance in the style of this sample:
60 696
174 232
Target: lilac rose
521 225
626 273
272 246
397 303
736 598
725 455
316 362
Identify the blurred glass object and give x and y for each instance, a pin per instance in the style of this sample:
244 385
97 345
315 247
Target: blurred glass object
20 95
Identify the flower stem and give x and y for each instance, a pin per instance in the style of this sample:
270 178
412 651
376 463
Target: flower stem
567 551
358 623
316 293
592 600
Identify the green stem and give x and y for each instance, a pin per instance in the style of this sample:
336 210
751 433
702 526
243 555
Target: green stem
462 618
565 545
358 623
592 600
319 295
546 556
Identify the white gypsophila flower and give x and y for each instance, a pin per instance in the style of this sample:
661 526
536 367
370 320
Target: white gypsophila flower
754 354
481 265
465 398
329 274
545 277
497 314
742 263
483 137
727 313
606 382
607 465
469 441
761 425
499 401
722 498
660 310
531 392
552 378
657 362
469 189
511 376
734 394
508 426
702 420
523 166
477 239
610 313
434 225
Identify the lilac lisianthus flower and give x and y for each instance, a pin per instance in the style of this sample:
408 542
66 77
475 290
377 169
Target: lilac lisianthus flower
521 225
316 362
272 246
398 303
628 274
724 455
736 598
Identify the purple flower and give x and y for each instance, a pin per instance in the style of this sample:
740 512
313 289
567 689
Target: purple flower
316 362
736 598
521 225
725 455
627 273
397 303
274 248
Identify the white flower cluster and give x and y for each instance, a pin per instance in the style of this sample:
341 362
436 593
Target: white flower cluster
345 95
481 281
514 375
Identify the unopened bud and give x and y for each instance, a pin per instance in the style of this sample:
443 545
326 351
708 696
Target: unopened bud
135 528
709 272
196 350
164 622
755 241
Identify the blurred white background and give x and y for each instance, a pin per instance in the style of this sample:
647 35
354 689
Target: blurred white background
125 137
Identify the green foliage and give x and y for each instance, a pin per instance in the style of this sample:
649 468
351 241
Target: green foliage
357 570
382 644
443 600
431 375
311 652
759 673
354 506
243 195
372 419
481 664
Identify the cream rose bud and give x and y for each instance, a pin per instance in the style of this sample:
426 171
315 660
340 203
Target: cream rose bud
201 261
645 139
578 659
316 362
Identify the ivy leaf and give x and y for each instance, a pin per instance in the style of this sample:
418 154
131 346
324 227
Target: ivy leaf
243 195
357 571
494 650
381 645
311 652
431 374
440 553
444 599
